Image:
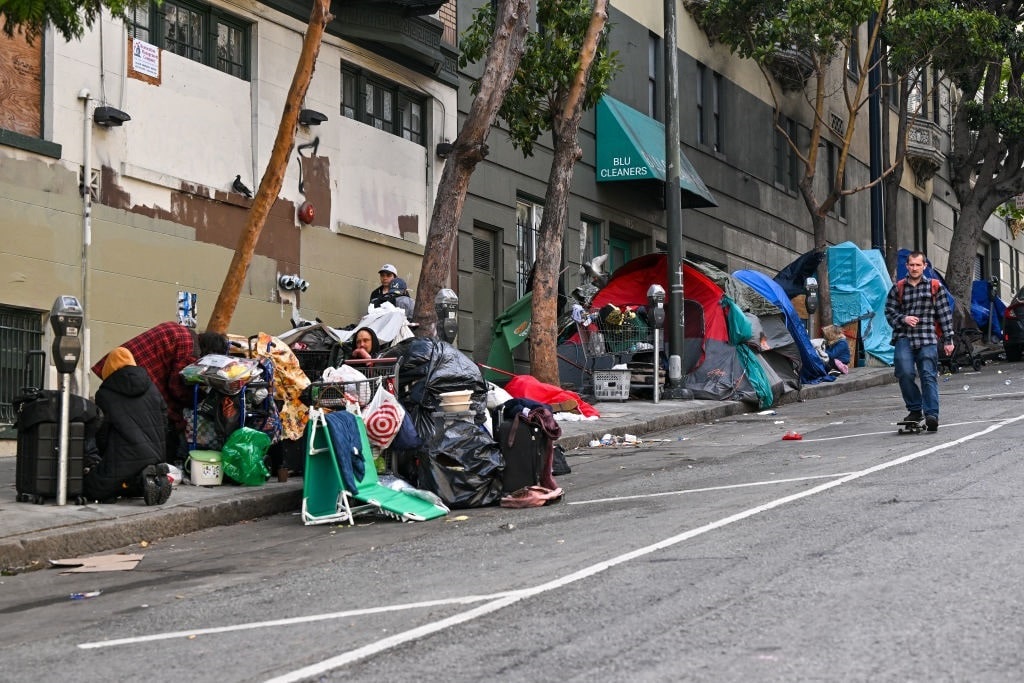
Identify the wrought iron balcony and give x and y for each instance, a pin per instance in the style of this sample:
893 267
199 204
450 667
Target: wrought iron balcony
924 149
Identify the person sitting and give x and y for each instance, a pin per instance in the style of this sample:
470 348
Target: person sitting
131 437
838 350
392 290
365 344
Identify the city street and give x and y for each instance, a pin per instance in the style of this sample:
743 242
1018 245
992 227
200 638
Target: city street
712 552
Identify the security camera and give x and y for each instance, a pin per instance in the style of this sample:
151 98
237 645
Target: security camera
292 283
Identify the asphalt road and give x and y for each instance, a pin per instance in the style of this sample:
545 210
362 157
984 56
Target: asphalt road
712 552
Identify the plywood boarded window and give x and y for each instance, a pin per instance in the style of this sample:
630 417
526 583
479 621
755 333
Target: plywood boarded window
21 85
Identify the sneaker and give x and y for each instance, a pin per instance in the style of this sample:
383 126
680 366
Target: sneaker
833 373
842 367
932 423
156 487
914 416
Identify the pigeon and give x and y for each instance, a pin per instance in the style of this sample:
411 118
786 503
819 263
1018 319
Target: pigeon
239 187
593 269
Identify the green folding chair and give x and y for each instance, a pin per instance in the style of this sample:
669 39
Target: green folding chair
325 499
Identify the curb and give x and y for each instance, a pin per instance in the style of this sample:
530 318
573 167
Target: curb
29 552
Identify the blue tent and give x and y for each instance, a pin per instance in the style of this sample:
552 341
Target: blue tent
859 284
812 369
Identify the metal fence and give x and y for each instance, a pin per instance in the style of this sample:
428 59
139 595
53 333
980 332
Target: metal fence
21 331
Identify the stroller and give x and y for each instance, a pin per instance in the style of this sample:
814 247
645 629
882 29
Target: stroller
965 334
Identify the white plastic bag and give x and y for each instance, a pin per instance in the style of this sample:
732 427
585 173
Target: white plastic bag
383 417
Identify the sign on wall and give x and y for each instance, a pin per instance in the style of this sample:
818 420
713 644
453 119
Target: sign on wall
187 314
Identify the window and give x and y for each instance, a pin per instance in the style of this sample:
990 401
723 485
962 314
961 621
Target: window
699 100
786 174
653 48
853 56
832 151
528 217
716 112
920 226
382 104
195 31
21 332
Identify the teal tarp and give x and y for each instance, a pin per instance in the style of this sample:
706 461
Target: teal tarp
859 284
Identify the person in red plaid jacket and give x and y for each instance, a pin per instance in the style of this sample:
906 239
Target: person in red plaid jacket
163 351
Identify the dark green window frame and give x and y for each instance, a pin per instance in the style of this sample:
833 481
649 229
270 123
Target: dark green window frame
377 102
197 31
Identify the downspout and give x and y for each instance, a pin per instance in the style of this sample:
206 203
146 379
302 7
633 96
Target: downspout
86 190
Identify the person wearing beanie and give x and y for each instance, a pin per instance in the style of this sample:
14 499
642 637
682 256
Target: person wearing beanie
131 436
163 352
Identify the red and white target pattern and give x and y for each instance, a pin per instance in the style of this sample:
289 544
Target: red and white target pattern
383 424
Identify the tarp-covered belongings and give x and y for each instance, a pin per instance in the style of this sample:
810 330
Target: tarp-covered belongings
713 368
527 386
793 278
812 369
859 284
289 383
388 323
510 329
980 303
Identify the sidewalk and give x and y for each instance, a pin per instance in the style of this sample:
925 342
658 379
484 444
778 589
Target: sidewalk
32 534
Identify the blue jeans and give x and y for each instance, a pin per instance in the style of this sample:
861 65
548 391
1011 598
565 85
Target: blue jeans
911 364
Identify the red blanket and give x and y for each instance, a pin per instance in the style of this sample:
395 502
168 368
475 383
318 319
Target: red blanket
526 386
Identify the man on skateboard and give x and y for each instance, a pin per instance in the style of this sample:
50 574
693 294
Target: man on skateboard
915 308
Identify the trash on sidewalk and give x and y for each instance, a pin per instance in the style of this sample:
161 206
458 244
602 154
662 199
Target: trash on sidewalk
792 436
98 563
85 596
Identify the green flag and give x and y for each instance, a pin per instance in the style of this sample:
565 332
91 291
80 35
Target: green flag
511 329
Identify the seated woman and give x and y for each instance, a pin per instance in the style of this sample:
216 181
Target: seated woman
132 436
838 350
365 344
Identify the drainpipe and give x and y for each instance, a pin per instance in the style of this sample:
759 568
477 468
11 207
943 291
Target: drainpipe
85 189
875 143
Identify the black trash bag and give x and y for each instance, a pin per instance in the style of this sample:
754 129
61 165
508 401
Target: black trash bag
463 466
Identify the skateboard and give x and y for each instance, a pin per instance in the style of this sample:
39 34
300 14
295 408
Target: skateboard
910 427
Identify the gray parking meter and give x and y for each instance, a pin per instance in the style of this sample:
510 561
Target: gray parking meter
446 305
656 318
811 302
66 317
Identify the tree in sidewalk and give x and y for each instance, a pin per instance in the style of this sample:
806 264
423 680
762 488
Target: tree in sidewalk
794 43
565 70
979 48
273 176
69 18
504 48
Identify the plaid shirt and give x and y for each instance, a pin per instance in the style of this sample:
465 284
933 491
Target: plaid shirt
917 300
163 351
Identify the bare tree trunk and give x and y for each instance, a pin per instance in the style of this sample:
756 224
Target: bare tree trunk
544 328
469 149
273 176
963 247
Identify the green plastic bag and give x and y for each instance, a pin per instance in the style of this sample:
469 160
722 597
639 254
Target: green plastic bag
242 457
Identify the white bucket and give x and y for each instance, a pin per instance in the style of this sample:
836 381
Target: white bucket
205 469
456 401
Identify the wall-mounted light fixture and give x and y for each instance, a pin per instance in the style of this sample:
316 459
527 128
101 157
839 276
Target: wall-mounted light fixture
311 117
443 149
109 116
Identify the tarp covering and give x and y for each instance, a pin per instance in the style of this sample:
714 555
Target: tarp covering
980 308
792 278
510 329
859 285
812 369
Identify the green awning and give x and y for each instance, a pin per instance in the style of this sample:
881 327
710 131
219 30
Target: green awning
631 146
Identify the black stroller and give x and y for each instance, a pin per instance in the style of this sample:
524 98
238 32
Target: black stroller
965 334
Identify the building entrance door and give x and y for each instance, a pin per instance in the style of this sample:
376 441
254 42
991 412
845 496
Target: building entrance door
485 290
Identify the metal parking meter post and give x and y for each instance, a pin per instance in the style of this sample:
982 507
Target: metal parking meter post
66 318
656 317
446 305
811 284
992 285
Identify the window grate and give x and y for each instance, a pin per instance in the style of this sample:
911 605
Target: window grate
482 255
21 331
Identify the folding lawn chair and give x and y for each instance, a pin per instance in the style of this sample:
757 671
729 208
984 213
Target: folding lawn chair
325 499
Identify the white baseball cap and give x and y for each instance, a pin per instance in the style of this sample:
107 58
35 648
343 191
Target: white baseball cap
388 268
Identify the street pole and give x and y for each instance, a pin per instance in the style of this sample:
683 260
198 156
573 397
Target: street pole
673 211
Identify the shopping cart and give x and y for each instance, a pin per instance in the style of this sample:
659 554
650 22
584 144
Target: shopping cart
600 340
336 395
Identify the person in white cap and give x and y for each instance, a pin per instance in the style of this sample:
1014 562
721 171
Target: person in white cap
392 290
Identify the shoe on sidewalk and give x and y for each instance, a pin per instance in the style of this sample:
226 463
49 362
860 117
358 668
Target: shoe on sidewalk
931 423
156 487
914 416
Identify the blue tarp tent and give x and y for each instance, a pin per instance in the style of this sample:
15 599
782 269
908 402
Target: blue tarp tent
812 369
858 285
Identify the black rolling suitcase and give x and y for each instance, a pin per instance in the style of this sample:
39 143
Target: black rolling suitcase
523 446
38 458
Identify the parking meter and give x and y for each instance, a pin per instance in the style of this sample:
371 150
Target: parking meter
656 306
656 318
66 319
811 284
446 305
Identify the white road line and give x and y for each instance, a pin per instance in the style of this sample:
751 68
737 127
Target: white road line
767 482
506 599
892 431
